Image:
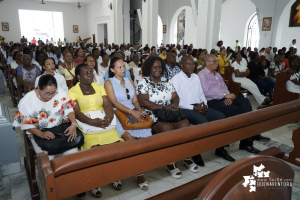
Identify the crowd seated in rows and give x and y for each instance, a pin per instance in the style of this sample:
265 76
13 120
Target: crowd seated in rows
139 84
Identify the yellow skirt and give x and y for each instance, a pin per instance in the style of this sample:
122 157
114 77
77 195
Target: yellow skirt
100 139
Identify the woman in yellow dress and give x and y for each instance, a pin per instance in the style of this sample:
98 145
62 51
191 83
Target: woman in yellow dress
223 62
90 96
67 68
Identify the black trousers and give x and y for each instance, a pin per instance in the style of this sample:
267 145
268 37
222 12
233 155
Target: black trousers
238 106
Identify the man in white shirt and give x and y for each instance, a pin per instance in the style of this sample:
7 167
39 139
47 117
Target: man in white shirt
109 50
52 41
293 44
193 103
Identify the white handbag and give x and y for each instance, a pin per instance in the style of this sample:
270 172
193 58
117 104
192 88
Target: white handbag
88 129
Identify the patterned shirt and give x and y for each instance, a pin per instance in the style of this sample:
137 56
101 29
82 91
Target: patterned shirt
159 93
171 72
34 113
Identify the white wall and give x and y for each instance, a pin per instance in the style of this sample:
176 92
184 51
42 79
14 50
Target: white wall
71 16
235 14
98 12
286 34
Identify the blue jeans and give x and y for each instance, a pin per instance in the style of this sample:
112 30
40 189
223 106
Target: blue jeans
265 86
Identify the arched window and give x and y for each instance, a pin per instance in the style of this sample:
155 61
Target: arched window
252 34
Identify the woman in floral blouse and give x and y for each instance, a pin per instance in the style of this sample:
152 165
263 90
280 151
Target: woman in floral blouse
47 115
155 92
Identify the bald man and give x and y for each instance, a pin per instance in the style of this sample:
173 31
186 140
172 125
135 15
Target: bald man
219 98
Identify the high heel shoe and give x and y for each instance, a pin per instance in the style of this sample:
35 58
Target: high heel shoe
144 185
174 172
190 165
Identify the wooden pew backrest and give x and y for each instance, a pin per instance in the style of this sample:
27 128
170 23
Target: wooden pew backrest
227 184
281 94
233 87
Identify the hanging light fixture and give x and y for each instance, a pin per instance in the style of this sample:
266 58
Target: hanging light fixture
43 3
79 6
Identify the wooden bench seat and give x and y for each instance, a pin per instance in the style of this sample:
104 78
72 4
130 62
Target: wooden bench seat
100 166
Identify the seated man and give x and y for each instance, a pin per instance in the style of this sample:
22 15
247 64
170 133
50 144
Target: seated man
219 98
172 68
193 102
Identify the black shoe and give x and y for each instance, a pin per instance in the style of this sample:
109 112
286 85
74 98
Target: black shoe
223 153
81 194
261 138
198 160
250 149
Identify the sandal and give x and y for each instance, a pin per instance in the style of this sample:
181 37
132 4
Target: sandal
97 192
190 165
117 185
175 173
144 185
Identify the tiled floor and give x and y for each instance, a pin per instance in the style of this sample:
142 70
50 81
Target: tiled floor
16 187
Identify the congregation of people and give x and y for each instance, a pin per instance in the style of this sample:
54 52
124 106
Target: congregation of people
140 83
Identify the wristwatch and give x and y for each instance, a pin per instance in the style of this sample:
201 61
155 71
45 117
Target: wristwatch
224 95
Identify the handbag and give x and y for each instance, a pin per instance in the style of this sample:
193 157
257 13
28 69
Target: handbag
60 143
88 129
129 122
166 115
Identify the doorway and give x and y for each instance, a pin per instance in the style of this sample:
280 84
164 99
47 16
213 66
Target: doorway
102 33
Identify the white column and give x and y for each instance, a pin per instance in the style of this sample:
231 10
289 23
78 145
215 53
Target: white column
209 18
126 17
118 21
149 22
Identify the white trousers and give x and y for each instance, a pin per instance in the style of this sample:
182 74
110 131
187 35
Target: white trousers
38 149
252 87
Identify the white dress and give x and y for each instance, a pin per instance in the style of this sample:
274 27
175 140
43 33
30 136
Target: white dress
102 70
98 78
60 79
245 82
292 87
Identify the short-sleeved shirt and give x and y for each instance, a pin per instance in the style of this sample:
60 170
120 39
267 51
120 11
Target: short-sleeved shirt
170 72
159 93
222 64
66 73
242 67
88 102
278 68
34 113
29 75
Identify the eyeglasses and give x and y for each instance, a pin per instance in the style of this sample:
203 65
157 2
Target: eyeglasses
213 61
47 94
127 91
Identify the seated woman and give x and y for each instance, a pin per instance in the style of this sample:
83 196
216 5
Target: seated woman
90 96
79 54
223 62
200 62
163 53
240 73
27 72
156 92
47 114
17 61
91 61
257 75
293 85
121 92
49 68
67 69
103 67
275 67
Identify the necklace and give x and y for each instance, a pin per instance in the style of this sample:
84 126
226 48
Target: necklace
87 92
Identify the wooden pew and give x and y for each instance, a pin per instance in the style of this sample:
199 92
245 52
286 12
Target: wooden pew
96 167
29 163
281 94
233 87
227 183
